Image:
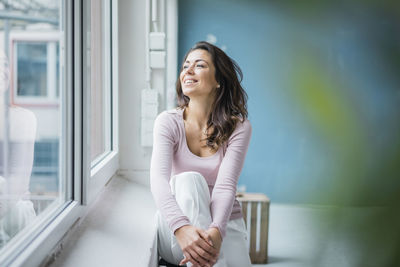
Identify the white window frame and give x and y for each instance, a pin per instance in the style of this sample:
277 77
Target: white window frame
76 163
99 171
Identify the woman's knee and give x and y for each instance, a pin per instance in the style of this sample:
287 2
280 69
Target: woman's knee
193 197
190 186
189 181
190 174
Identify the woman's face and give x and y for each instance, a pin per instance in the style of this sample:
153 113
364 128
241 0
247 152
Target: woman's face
198 74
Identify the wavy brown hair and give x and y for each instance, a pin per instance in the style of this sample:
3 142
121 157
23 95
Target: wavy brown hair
230 102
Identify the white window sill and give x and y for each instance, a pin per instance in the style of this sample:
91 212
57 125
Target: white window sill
118 230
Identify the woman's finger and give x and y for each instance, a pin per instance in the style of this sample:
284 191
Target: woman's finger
206 237
204 255
204 249
202 252
186 258
206 246
198 258
191 256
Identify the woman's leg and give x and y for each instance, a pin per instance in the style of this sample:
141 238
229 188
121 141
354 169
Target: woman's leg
234 245
193 197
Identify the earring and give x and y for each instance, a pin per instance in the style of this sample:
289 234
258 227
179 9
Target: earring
218 86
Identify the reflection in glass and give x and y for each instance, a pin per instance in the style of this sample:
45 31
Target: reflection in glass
30 116
32 69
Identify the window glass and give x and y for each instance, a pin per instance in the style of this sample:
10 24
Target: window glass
31 69
31 186
36 69
100 71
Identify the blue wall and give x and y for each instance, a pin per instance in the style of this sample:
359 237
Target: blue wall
323 79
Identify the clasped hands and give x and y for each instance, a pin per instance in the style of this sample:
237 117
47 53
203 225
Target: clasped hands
200 247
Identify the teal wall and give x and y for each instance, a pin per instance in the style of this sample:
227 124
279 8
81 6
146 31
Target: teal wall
323 79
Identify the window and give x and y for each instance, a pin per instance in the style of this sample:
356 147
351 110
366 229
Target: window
58 117
99 75
33 186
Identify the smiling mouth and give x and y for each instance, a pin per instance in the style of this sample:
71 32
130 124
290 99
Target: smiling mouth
190 81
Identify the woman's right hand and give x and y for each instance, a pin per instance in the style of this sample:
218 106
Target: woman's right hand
197 246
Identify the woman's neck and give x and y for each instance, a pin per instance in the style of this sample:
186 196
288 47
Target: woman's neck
197 113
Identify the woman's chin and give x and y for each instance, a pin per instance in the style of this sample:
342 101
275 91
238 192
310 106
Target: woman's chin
188 92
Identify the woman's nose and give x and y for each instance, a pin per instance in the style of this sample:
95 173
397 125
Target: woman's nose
190 69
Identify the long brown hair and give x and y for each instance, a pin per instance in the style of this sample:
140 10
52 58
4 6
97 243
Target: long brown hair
230 102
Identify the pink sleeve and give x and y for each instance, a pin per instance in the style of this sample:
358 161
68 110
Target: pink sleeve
223 195
164 140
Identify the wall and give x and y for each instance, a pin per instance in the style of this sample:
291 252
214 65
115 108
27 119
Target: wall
324 93
134 159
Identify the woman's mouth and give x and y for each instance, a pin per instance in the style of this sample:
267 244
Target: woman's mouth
189 81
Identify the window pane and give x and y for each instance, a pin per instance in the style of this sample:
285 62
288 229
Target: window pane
31 69
31 186
100 69
36 68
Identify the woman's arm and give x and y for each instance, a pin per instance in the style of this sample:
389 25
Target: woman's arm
164 140
223 195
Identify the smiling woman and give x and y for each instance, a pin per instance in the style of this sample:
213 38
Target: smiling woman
228 100
198 153
198 75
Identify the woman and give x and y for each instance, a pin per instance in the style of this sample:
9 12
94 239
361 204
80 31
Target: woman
198 153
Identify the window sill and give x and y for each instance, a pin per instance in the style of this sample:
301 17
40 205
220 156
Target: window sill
117 231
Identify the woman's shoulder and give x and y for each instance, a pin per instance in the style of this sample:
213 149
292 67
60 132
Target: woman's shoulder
241 134
170 113
175 111
243 124
169 118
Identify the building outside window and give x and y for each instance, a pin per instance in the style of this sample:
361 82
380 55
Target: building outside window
36 67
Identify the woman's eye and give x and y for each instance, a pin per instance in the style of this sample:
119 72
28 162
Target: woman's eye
200 66
185 67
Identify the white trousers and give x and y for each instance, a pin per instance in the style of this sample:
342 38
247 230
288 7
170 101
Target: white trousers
193 197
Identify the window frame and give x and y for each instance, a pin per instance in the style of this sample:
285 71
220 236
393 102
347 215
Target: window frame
100 170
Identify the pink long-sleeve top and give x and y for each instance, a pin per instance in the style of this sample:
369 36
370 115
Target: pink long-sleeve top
171 156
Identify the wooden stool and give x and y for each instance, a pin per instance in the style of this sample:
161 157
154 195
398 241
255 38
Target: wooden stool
255 209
